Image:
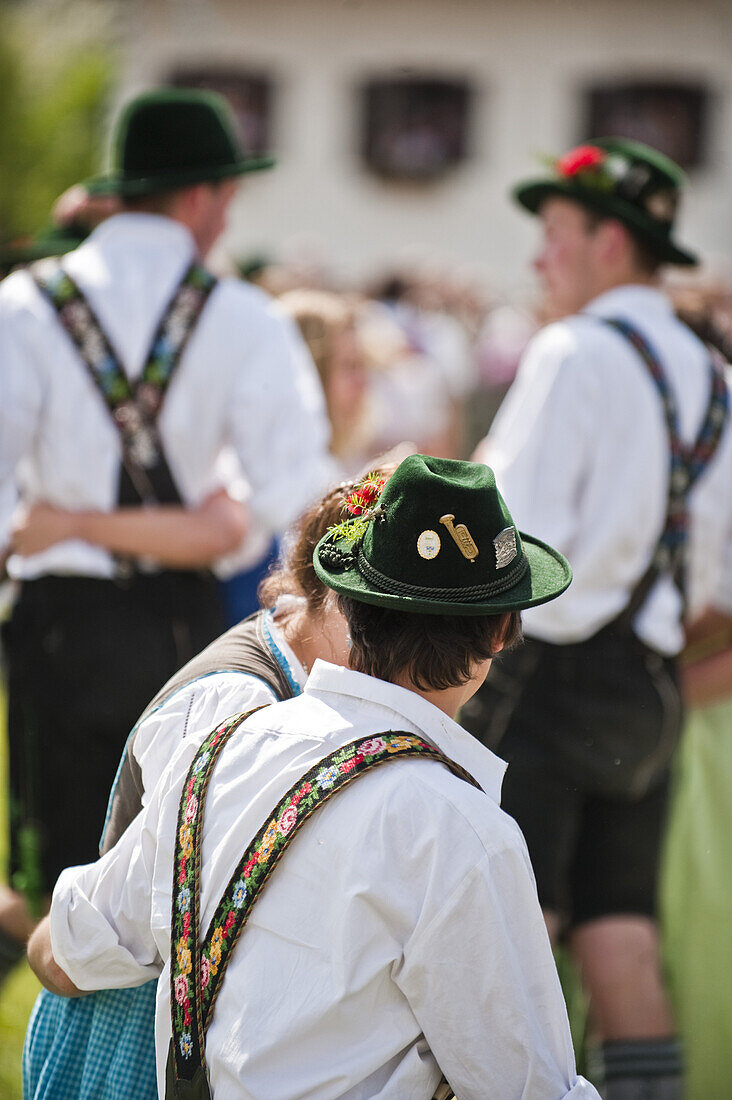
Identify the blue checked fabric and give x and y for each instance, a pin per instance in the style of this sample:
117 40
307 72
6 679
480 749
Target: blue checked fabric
94 1047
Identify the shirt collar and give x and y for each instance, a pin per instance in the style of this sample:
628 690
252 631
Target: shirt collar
487 768
635 299
147 229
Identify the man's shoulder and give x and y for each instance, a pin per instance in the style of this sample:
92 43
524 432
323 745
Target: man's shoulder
242 304
419 795
568 337
19 293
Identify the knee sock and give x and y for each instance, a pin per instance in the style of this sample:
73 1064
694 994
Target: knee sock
640 1069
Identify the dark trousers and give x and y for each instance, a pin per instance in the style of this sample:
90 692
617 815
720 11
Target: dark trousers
84 657
588 731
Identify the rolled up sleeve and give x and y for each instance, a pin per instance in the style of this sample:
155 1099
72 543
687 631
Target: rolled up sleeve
101 913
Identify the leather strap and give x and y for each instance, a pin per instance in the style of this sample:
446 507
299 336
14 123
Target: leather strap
197 968
134 407
686 466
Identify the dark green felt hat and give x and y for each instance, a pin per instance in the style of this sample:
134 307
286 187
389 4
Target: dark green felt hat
438 540
622 179
171 138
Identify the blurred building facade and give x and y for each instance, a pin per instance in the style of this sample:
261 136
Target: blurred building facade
399 125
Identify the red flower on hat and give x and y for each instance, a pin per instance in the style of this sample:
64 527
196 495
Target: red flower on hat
579 159
364 498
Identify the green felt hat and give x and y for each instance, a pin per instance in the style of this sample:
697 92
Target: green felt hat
171 138
622 179
438 540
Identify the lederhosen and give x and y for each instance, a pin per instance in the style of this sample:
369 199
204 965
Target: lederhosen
589 728
245 648
85 654
198 964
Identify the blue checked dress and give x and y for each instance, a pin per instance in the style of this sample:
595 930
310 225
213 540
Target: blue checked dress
102 1046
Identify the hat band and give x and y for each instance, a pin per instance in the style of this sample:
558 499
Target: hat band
467 592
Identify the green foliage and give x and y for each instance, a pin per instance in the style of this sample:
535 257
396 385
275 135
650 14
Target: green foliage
53 95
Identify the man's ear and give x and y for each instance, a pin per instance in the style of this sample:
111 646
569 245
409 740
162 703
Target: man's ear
501 639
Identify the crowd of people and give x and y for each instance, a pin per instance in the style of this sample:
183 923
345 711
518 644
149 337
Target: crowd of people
322 469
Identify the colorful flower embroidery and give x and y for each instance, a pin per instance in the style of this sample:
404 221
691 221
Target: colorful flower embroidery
186 841
373 746
200 763
268 841
397 744
348 765
254 867
214 951
185 962
287 820
327 778
205 972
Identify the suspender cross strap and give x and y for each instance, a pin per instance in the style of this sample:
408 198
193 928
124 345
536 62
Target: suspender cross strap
687 464
134 407
197 968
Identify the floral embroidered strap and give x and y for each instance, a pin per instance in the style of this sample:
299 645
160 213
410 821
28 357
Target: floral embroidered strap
687 464
134 407
197 968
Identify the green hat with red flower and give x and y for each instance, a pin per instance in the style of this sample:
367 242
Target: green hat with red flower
438 539
621 179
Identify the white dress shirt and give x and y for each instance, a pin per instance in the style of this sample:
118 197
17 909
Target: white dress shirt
245 382
580 451
400 931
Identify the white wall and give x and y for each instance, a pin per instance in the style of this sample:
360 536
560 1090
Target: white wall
528 60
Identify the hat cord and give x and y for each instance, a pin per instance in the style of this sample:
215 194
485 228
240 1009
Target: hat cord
472 591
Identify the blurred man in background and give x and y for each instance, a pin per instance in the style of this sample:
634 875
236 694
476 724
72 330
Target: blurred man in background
126 371
613 445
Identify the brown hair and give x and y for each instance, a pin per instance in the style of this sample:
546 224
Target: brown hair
436 652
294 574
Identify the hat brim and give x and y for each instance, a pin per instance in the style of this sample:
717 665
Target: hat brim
547 576
532 193
115 183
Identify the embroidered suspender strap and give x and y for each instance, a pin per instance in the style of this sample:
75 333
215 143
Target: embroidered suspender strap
687 464
196 971
134 407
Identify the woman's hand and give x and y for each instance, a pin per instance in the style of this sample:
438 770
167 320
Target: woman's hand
41 526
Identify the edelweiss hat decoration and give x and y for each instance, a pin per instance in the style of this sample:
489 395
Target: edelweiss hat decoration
437 539
171 138
622 179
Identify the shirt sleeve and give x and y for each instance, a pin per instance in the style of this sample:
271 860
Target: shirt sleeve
486 992
20 403
101 913
278 422
540 441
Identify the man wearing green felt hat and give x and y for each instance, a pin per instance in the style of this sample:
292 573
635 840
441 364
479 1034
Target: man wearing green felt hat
392 942
614 445
131 376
